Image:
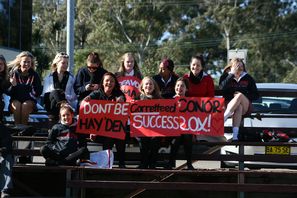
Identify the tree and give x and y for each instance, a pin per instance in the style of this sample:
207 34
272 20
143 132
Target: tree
176 29
48 32
121 26
265 35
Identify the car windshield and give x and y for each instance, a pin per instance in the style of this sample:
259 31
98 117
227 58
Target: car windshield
275 105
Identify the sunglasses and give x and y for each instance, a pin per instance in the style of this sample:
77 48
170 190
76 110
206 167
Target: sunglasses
63 54
92 68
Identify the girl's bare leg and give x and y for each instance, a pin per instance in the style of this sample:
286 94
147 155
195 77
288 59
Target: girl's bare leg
16 108
27 108
237 107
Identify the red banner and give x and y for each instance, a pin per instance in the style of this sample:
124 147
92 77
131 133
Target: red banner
174 117
129 86
203 116
151 118
104 118
154 118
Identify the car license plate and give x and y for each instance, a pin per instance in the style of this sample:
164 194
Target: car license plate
277 150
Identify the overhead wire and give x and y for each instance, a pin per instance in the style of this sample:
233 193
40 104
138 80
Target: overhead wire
210 42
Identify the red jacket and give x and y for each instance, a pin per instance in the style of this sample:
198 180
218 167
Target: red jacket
204 88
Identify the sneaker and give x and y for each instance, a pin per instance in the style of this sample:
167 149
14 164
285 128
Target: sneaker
84 162
24 160
152 166
142 166
190 167
235 140
122 166
4 195
51 162
169 166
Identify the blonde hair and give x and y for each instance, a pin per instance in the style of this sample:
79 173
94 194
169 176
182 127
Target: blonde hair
59 56
232 62
156 92
122 69
15 64
236 61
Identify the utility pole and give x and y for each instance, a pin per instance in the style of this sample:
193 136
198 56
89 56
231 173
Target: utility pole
70 34
227 40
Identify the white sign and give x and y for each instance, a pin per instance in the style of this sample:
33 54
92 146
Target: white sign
238 53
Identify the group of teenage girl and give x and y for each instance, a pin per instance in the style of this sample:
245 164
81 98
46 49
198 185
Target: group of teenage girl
62 93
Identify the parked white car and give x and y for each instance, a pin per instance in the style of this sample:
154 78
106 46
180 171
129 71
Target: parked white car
277 108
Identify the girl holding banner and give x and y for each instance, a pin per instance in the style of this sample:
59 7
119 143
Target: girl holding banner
200 85
149 146
129 77
181 88
128 67
166 79
109 89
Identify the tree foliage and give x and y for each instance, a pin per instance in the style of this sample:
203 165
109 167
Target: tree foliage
176 29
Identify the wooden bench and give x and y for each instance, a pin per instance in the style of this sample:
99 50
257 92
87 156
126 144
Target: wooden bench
172 180
239 180
136 156
36 180
78 179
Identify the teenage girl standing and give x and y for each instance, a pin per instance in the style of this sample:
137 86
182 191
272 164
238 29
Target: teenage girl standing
181 88
149 146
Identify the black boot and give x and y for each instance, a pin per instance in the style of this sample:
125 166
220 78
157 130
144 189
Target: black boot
190 166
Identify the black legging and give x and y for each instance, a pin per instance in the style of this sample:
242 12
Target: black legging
187 143
120 146
52 100
149 148
70 159
2 105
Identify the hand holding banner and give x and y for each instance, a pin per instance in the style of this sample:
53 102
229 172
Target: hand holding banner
129 86
175 117
154 118
104 118
203 116
151 118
